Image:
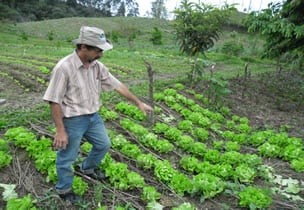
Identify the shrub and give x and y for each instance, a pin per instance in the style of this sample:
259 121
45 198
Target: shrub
156 37
232 48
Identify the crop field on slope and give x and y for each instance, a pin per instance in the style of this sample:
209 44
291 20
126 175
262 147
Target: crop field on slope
192 157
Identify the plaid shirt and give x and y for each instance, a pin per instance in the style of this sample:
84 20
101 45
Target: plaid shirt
78 89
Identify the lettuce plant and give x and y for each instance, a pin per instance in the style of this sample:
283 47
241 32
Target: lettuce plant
255 198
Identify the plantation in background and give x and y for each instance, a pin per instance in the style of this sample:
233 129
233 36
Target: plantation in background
194 153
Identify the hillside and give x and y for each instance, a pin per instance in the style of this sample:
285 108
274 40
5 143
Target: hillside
207 144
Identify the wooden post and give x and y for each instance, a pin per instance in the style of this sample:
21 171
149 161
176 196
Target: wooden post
151 90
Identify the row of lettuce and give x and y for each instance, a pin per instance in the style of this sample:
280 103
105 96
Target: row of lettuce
198 128
40 151
119 174
211 144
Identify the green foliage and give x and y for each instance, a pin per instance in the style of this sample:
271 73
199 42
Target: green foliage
181 184
156 38
21 136
34 148
255 198
44 69
129 32
24 36
150 194
185 125
108 115
282 25
25 203
79 185
146 161
135 180
129 110
232 48
44 160
164 171
184 206
179 86
114 36
217 88
117 173
32 11
201 134
50 35
207 185
86 147
5 159
189 163
130 150
213 156
245 173
4 145
197 26
232 146
269 150
298 164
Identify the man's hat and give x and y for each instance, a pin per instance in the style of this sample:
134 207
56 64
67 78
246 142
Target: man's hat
93 36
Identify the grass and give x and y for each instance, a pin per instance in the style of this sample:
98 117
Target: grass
68 28
30 39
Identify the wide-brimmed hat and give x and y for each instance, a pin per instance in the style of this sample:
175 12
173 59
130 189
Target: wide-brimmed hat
93 36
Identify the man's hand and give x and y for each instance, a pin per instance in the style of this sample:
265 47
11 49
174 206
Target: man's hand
60 140
61 137
124 91
145 108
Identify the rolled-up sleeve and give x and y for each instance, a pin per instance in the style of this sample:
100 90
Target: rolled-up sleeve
57 87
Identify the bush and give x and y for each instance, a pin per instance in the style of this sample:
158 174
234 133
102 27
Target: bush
24 36
156 37
114 36
50 35
232 48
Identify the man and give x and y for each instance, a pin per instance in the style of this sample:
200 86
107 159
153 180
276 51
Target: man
73 93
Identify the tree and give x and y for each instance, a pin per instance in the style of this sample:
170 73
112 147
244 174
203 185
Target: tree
121 10
124 7
282 25
197 28
159 10
72 3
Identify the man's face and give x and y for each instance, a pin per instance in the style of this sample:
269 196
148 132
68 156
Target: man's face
93 53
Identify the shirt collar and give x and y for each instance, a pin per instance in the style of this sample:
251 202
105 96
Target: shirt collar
78 62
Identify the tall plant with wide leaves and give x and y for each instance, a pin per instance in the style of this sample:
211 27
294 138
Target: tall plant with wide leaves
282 24
197 28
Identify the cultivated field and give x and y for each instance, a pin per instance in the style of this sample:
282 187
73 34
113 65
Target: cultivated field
203 148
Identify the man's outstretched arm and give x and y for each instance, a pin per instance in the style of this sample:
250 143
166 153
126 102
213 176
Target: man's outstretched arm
124 91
